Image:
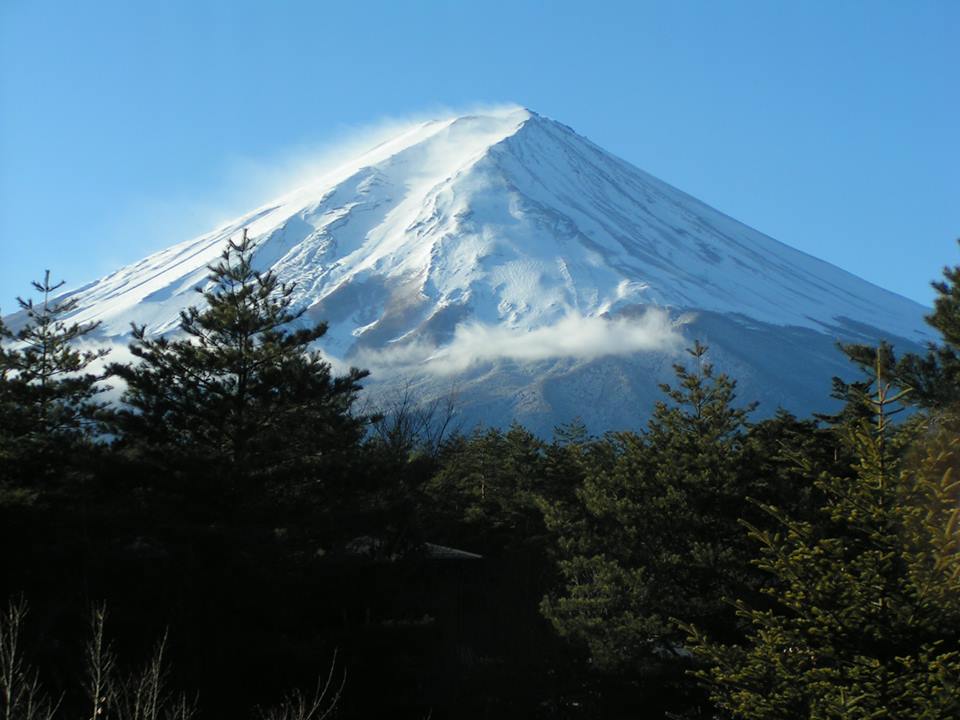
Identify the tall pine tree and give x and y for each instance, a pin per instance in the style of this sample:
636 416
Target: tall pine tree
652 536
241 400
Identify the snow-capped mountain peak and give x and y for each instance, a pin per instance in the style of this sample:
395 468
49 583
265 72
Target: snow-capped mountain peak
504 221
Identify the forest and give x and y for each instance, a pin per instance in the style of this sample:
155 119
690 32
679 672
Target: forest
240 536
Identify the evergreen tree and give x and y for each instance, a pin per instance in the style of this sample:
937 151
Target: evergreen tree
48 399
946 307
653 534
489 486
866 615
241 398
855 395
8 406
934 376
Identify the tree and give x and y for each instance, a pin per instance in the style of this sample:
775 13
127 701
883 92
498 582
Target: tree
653 533
652 536
488 485
48 400
241 400
934 376
865 620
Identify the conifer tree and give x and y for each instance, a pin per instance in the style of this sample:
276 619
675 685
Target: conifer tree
865 620
653 533
242 398
490 482
7 405
933 376
48 399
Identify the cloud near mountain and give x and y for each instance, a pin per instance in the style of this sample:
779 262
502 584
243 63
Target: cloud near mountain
573 336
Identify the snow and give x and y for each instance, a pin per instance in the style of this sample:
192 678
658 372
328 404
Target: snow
503 219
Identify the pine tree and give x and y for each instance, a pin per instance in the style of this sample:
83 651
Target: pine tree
934 377
865 620
489 484
241 400
653 534
946 314
8 407
48 399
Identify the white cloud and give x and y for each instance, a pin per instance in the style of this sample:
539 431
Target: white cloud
574 336
250 182
244 182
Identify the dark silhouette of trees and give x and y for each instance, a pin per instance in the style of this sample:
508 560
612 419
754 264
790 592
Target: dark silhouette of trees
49 405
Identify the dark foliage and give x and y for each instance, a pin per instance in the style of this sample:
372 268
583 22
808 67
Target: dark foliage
241 505
241 400
48 398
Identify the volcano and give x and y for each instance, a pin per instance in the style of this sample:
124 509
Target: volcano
505 258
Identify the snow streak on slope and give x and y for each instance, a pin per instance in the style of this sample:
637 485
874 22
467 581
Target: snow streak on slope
462 238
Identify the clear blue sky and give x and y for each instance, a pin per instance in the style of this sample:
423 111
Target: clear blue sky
832 126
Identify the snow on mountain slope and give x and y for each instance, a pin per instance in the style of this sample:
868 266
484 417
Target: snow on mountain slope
482 231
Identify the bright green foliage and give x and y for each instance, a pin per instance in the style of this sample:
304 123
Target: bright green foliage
242 397
652 534
865 614
48 400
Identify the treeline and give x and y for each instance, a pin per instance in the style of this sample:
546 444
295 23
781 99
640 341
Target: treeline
237 537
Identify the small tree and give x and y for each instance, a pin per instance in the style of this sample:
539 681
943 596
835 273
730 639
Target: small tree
243 397
22 696
489 482
942 388
48 400
934 377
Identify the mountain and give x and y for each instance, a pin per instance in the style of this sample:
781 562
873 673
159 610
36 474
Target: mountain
513 261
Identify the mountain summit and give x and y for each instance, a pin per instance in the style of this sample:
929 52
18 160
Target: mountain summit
544 277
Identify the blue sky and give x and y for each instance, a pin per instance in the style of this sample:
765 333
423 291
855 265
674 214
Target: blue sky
128 126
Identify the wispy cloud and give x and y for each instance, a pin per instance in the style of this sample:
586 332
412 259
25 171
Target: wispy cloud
253 181
573 336
245 181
